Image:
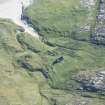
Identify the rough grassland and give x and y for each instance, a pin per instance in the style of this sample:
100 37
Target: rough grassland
23 62
59 24
27 76
16 84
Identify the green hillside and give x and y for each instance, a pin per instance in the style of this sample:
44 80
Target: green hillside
43 72
60 23
17 84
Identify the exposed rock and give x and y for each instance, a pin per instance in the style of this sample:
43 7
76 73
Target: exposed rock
99 35
88 3
58 60
85 28
92 82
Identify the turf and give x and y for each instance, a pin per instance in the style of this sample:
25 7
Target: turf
27 76
59 24
17 86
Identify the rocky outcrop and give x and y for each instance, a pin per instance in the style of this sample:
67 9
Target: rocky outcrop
92 81
88 3
58 60
98 36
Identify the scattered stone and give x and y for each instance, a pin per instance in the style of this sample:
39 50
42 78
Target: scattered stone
92 82
99 35
88 3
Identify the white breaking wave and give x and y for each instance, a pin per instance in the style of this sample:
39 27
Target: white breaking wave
12 9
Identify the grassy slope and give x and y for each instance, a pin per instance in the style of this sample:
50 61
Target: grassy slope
27 86
17 86
57 22
24 59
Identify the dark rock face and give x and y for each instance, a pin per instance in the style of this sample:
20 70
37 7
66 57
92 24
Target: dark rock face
58 60
25 18
99 35
92 82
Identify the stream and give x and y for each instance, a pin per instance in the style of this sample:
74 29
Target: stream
12 9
